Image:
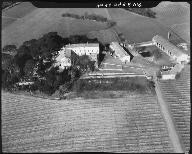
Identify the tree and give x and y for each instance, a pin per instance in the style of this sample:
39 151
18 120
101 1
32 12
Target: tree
22 56
84 61
6 60
28 68
33 47
10 48
10 75
85 15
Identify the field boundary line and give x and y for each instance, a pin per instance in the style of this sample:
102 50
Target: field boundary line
10 17
170 125
11 6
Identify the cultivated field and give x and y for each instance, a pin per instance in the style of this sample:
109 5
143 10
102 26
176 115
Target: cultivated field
177 96
127 124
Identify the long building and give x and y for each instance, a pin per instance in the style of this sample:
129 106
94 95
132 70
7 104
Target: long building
174 52
120 52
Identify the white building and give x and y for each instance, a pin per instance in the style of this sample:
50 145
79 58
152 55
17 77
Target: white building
90 49
63 60
120 52
170 74
174 52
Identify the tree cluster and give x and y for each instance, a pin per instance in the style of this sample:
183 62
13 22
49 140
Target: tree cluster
36 56
93 17
9 49
143 11
7 4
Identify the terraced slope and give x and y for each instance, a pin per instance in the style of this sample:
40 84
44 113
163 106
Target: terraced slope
130 124
177 95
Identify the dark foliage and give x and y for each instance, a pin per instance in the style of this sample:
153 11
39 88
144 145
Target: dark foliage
6 60
29 67
93 17
38 53
129 84
10 48
10 75
143 11
146 54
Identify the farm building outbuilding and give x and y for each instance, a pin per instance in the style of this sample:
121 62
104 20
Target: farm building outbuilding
120 52
171 74
174 52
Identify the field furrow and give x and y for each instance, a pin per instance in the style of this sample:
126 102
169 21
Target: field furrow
177 96
130 124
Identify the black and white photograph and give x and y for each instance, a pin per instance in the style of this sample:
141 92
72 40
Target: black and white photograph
97 76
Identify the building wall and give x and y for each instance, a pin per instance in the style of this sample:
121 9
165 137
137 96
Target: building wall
125 59
168 76
85 50
178 59
64 62
119 52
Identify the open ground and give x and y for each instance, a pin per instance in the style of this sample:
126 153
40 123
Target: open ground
33 22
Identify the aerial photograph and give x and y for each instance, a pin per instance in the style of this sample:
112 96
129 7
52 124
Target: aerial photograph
90 79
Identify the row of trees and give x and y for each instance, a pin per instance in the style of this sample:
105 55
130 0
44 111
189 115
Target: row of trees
94 17
143 11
